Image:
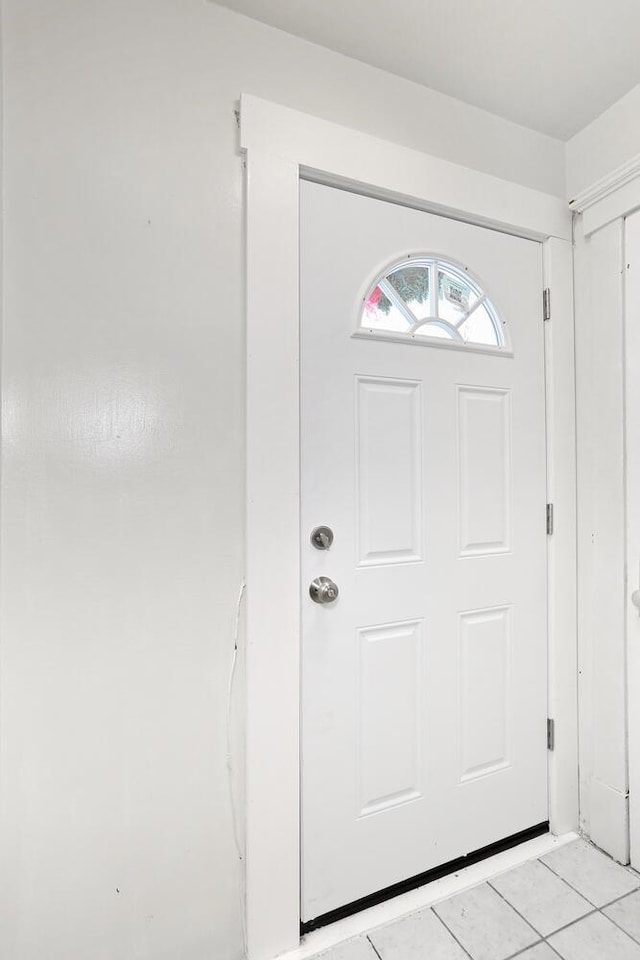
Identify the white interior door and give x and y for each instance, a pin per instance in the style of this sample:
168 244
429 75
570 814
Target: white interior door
424 684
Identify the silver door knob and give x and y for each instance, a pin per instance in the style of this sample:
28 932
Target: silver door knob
323 590
635 598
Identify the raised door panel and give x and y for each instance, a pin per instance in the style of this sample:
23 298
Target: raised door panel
391 707
484 659
484 470
388 471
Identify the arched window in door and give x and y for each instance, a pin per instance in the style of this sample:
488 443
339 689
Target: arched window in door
428 297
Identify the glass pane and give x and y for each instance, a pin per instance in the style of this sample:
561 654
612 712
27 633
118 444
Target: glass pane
434 330
412 284
461 304
455 297
479 328
380 314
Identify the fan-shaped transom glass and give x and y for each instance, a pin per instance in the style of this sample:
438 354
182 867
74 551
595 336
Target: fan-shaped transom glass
432 297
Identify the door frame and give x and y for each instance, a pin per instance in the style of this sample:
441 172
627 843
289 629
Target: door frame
630 269
612 814
281 146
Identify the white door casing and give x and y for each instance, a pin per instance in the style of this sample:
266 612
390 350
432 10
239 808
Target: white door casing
632 441
424 694
601 538
607 284
278 144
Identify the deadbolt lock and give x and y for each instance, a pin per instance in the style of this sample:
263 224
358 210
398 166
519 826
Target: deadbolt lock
322 538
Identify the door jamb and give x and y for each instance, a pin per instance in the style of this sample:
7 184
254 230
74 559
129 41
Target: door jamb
281 145
631 339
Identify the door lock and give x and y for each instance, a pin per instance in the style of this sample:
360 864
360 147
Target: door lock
322 538
323 590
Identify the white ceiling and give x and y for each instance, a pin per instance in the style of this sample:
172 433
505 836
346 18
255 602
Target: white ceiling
552 65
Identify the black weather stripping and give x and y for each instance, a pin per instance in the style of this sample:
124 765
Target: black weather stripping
422 878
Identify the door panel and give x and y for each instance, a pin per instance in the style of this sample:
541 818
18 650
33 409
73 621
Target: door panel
388 457
484 661
424 683
484 471
389 696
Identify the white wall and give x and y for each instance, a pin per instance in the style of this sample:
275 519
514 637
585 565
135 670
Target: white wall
605 144
122 484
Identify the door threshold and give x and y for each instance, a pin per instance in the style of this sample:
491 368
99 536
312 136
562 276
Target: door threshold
435 873
424 896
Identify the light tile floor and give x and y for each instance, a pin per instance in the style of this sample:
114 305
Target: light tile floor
574 903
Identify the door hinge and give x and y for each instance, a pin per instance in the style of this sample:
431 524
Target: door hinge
549 519
551 734
546 304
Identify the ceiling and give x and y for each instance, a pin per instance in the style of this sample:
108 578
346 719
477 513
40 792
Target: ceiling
552 65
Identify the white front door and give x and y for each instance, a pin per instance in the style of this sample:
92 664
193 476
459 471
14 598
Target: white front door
424 684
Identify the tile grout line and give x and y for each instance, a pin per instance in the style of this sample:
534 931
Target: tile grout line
590 913
564 925
521 953
450 932
516 911
528 947
373 946
553 950
556 874
531 946
605 917
616 924
609 903
623 866
542 938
